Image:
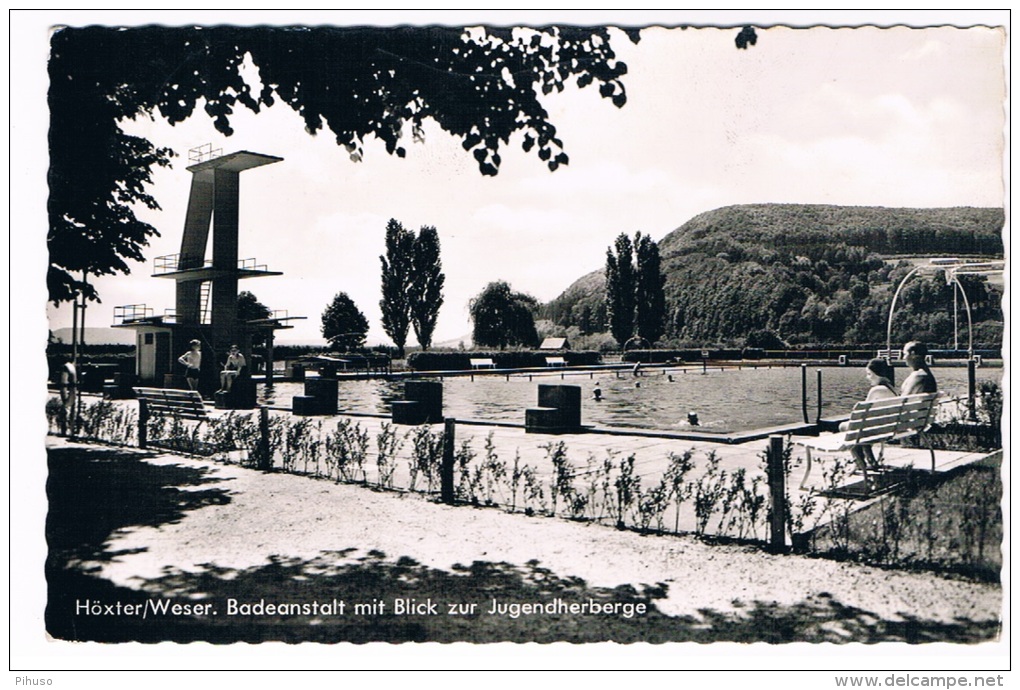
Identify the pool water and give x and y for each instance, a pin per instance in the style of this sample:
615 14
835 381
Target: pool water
724 401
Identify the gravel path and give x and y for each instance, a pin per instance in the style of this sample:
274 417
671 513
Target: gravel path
277 516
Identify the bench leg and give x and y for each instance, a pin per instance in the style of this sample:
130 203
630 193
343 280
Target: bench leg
926 441
807 470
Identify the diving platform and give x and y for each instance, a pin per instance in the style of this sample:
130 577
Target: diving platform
206 271
170 266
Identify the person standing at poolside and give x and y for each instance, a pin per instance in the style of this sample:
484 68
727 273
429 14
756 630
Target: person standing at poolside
920 380
192 359
68 381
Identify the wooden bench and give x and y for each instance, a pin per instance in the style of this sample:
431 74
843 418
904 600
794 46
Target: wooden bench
879 421
555 362
173 403
482 363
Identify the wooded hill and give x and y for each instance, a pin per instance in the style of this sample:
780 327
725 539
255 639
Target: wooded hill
808 274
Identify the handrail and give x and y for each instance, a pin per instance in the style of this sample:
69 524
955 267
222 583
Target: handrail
171 263
131 312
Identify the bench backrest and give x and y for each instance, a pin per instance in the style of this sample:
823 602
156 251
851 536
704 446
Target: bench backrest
185 404
549 361
890 419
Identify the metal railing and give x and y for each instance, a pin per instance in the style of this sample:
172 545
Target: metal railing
205 152
171 263
251 265
128 313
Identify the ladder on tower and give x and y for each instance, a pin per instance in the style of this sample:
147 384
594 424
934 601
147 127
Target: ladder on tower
205 303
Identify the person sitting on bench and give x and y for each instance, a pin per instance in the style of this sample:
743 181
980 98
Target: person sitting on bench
231 370
920 380
879 375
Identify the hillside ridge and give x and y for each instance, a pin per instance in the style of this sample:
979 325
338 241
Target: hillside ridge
798 262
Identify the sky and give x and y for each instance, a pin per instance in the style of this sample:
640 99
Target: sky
852 116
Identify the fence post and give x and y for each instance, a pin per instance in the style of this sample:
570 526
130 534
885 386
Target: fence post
971 389
446 469
819 417
803 390
143 423
265 460
777 493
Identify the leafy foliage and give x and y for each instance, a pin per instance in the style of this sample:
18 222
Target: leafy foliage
480 85
343 324
620 288
397 274
250 309
502 317
649 293
426 287
810 275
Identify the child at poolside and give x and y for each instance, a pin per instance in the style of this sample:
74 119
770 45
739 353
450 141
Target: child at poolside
192 359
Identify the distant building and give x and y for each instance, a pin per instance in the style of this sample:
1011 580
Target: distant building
554 344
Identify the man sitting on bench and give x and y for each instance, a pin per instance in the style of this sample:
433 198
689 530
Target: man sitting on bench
920 380
235 363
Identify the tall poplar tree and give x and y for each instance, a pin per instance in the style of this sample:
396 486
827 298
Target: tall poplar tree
397 271
426 285
650 294
620 289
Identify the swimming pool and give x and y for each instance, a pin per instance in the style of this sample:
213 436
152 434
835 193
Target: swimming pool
725 400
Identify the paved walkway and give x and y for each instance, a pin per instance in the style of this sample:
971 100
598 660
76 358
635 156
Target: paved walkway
588 452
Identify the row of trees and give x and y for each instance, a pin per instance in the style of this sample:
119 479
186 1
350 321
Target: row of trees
412 284
635 296
501 317
800 274
634 304
412 293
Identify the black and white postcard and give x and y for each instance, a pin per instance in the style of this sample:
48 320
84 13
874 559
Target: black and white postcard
678 337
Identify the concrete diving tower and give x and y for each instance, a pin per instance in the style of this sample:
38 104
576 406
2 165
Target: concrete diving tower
207 288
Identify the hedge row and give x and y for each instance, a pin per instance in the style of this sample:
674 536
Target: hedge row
662 356
509 359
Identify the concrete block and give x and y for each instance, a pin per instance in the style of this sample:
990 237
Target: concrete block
321 387
429 395
307 405
408 412
542 420
567 399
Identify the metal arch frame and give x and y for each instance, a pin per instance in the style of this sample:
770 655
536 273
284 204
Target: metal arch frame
952 269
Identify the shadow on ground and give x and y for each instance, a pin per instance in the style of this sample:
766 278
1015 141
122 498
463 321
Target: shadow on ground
94 492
